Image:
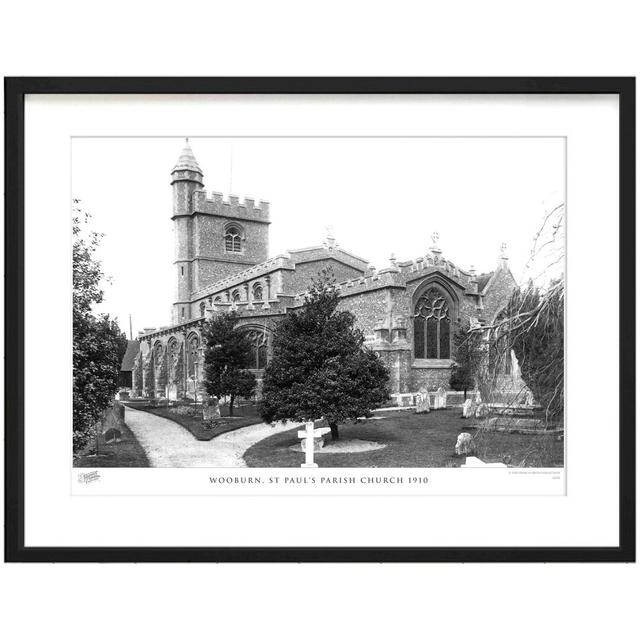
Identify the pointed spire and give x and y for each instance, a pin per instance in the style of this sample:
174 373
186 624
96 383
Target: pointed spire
187 161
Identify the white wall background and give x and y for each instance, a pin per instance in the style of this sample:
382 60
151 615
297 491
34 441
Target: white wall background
332 38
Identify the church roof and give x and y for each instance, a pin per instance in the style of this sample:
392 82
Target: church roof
483 280
187 161
133 346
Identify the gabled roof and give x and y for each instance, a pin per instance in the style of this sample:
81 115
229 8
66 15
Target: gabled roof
483 280
133 347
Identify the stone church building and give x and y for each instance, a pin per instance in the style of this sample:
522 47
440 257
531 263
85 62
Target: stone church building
408 311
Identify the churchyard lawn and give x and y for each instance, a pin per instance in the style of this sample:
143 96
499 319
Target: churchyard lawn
414 440
190 417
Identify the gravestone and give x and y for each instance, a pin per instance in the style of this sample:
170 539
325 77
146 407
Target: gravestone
211 409
464 444
191 388
309 437
478 398
482 410
440 399
112 435
423 405
468 408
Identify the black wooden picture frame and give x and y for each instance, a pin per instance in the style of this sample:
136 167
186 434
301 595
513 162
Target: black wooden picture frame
15 91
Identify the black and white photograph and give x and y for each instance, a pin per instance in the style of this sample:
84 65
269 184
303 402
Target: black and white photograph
314 302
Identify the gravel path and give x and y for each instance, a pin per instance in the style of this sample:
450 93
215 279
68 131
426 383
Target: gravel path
167 444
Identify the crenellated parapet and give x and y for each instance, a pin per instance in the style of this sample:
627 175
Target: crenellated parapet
215 204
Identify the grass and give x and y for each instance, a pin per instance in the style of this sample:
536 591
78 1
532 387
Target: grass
190 417
126 453
415 440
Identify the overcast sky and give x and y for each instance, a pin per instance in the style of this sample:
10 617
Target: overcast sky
380 195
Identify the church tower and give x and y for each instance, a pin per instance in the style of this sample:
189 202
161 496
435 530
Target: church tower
186 179
214 238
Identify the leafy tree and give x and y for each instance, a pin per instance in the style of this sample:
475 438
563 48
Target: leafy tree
535 326
468 357
320 366
98 343
226 354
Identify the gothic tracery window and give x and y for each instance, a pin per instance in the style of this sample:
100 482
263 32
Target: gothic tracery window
232 238
193 346
258 355
174 351
432 326
158 354
257 291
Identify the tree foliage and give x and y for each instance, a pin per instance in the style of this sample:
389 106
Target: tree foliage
98 343
227 351
533 326
468 358
536 334
320 367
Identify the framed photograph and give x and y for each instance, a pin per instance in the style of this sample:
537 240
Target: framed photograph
320 319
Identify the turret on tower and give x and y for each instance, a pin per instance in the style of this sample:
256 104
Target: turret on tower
186 178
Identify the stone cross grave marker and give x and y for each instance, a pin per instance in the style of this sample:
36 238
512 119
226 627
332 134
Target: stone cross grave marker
309 435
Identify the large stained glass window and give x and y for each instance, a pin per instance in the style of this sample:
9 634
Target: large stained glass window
432 326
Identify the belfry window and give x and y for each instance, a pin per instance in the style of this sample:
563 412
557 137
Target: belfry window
432 326
232 239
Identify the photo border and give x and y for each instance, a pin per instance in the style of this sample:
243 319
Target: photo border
15 91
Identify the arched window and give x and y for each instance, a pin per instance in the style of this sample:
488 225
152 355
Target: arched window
235 296
202 308
432 326
173 349
193 345
218 300
257 291
158 352
258 356
232 239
